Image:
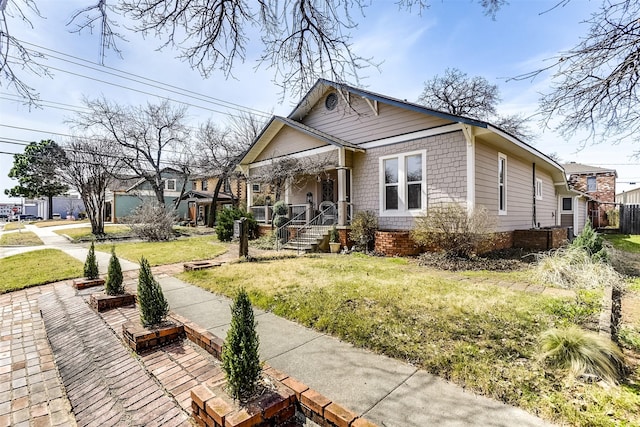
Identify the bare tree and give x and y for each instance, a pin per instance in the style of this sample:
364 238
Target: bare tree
90 167
14 57
595 84
301 39
473 97
459 94
148 138
285 172
87 18
515 124
220 149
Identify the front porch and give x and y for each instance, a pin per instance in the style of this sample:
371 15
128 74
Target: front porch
316 202
308 228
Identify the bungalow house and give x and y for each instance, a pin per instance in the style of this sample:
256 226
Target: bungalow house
199 197
370 152
127 194
600 186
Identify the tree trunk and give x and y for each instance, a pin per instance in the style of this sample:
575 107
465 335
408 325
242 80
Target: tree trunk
214 203
50 207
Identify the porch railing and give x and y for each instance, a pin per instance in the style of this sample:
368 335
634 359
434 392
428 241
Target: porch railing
282 232
262 214
307 233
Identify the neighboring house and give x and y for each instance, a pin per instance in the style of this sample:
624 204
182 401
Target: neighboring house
69 206
396 159
631 197
126 195
599 184
200 196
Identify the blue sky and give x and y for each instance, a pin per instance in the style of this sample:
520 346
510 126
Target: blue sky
412 49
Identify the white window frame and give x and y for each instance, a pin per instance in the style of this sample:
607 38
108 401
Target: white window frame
503 187
538 189
562 209
595 184
255 188
403 185
166 184
204 185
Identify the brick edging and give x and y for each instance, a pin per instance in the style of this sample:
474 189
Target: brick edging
313 405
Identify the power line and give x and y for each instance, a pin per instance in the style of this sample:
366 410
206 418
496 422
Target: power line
157 84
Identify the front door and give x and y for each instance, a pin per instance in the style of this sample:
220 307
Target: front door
328 194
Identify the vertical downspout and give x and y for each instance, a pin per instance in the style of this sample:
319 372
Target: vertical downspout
535 222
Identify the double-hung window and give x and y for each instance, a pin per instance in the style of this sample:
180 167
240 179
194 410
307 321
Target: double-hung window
391 184
170 185
403 184
502 184
592 184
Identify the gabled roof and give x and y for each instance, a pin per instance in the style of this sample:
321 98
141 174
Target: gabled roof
277 123
320 88
580 169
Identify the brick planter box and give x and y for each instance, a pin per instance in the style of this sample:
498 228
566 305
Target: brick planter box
200 265
141 339
213 407
103 302
84 283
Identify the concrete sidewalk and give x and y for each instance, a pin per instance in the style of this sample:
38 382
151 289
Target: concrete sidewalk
79 251
383 390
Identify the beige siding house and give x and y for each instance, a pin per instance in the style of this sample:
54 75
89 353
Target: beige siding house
396 159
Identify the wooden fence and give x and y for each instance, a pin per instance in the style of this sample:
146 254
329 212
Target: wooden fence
630 219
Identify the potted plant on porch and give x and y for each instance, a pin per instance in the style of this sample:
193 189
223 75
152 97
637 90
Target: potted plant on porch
334 240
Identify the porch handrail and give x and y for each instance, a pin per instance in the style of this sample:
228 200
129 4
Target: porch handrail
282 232
314 226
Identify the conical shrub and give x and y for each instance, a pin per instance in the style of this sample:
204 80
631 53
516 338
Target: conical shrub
114 283
91 264
240 358
153 305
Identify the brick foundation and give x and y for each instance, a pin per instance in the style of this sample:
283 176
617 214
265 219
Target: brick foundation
497 241
103 302
141 339
540 238
83 283
265 230
396 243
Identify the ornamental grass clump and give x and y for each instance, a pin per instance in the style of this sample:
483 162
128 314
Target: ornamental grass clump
575 268
582 353
91 264
114 284
153 305
240 358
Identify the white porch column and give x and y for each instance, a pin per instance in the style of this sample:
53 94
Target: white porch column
342 187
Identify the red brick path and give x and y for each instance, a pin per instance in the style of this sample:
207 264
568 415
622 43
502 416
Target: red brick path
31 392
105 384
